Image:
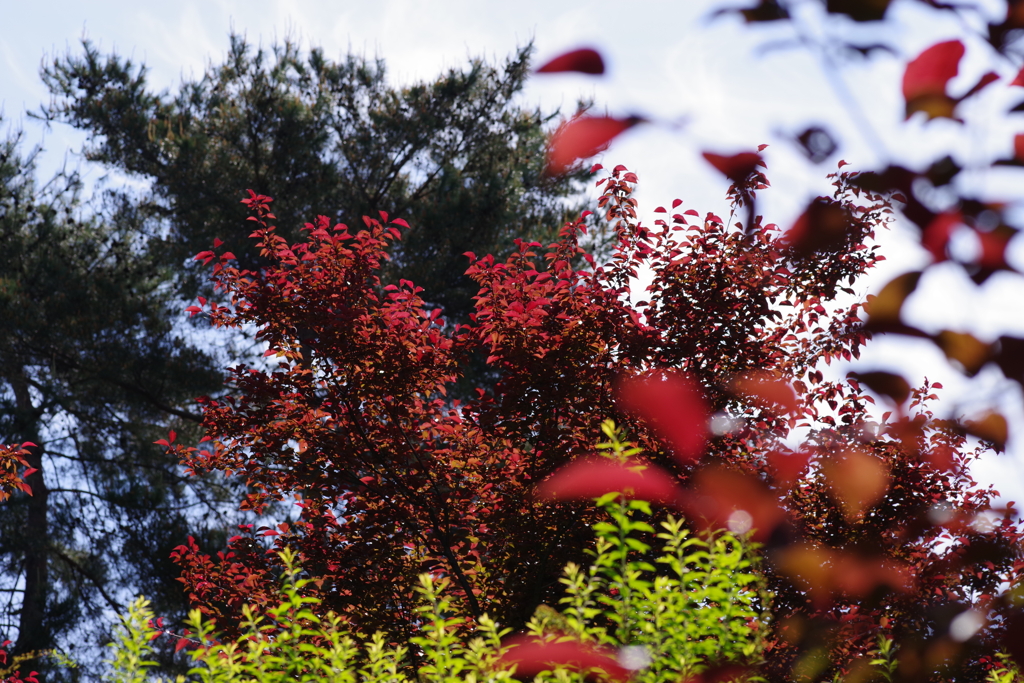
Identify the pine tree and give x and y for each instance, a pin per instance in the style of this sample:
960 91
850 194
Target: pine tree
91 368
456 157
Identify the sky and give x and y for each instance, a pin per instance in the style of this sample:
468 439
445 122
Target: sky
707 84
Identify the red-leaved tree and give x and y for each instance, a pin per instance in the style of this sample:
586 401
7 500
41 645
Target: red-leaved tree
871 528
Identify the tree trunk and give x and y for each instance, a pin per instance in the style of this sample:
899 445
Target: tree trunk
32 633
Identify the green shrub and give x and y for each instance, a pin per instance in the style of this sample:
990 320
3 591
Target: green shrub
700 603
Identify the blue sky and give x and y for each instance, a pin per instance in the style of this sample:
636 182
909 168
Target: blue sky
706 83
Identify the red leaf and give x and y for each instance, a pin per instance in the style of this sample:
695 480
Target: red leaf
400 221
926 77
991 427
826 225
736 167
227 256
584 60
172 435
182 642
676 202
594 477
532 656
1018 146
1019 79
824 572
890 385
766 391
672 406
584 137
857 480
969 352
936 235
728 499
984 81
941 456
217 242
884 309
929 73
787 467
993 248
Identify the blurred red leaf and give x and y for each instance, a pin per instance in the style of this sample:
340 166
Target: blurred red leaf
908 431
728 499
859 10
583 137
736 167
936 235
672 405
532 656
941 456
990 427
885 308
993 247
857 480
824 226
926 77
1018 146
967 350
766 10
983 82
766 391
1009 356
596 476
584 60
890 385
825 573
787 467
